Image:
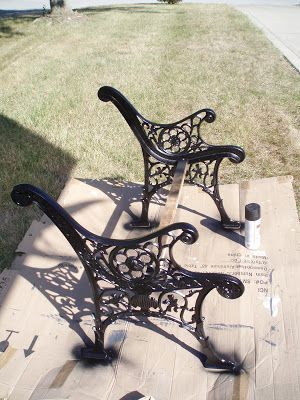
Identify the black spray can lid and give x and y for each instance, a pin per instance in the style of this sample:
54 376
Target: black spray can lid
252 212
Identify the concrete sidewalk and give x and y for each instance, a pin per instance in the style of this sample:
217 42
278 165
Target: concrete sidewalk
281 25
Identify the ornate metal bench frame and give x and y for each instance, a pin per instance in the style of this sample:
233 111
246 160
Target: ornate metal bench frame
143 276
163 145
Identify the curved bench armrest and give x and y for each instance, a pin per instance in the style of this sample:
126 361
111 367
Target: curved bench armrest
235 154
157 139
108 93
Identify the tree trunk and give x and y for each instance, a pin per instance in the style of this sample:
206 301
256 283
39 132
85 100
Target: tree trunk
59 6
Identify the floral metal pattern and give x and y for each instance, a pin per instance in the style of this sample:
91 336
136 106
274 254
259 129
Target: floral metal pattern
180 138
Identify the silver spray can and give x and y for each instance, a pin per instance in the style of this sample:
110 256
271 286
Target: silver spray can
252 226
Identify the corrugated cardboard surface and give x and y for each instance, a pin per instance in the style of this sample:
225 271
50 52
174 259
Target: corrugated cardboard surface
45 305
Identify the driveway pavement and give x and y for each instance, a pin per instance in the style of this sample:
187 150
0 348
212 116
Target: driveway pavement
281 24
279 19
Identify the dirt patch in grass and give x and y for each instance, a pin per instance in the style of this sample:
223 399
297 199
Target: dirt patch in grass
169 61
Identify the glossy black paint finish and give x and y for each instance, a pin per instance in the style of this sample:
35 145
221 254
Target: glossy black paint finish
145 279
163 145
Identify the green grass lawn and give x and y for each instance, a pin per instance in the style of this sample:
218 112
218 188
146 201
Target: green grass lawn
169 61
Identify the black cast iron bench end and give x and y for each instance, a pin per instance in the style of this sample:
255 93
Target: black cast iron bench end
139 278
164 145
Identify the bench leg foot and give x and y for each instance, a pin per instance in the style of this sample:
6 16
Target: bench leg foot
96 352
221 365
143 222
215 362
198 174
92 353
140 224
231 224
226 221
209 357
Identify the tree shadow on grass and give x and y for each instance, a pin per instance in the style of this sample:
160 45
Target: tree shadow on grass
11 21
25 158
21 13
140 8
6 31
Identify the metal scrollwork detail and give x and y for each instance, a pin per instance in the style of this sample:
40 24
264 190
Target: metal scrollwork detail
230 289
138 264
174 140
179 138
143 301
171 301
203 175
112 301
159 174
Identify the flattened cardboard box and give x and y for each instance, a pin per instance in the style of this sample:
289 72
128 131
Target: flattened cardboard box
45 305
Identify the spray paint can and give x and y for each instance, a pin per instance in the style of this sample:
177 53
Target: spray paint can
252 226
